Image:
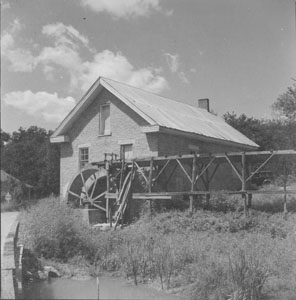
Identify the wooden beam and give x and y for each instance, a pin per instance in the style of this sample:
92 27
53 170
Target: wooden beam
163 168
205 168
169 178
184 170
233 166
141 171
160 195
201 177
214 171
150 197
204 156
261 166
112 195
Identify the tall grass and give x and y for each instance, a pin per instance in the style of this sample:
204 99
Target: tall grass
213 255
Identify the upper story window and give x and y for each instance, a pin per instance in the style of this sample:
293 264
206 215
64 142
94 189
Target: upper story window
83 157
104 120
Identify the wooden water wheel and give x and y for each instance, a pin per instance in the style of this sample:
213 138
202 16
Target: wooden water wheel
89 187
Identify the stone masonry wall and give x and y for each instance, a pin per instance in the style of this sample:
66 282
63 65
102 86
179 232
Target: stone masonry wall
125 125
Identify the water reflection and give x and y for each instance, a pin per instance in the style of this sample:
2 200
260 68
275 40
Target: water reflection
110 288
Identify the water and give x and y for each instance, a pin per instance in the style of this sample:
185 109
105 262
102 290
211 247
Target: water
110 288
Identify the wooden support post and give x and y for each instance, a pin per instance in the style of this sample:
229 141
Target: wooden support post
285 188
192 182
121 175
207 181
150 175
150 182
108 190
243 179
248 185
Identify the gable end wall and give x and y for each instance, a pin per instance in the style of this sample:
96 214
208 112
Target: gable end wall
125 125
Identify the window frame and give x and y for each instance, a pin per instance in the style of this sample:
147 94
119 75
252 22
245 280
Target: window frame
122 146
101 132
83 162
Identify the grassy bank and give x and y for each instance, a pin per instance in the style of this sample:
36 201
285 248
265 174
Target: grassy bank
216 254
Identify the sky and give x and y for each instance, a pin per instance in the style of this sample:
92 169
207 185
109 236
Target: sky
241 54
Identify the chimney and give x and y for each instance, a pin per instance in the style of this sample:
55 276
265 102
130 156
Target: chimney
204 104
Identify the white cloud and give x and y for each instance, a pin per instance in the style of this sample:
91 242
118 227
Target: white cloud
65 55
173 61
65 35
49 106
7 37
61 56
117 67
21 60
49 72
83 73
7 41
124 8
183 77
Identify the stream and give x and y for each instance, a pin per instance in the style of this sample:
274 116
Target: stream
109 288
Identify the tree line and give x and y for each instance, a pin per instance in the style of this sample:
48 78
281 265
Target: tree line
28 155
270 134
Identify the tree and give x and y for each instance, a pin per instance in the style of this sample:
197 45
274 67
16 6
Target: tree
249 126
5 137
285 104
268 134
29 156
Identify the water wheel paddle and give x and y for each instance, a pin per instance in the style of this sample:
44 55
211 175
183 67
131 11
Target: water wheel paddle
89 186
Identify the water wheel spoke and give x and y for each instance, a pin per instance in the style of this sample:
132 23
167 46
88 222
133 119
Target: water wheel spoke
92 192
98 206
99 196
84 187
74 194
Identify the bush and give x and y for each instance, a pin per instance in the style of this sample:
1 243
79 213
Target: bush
53 230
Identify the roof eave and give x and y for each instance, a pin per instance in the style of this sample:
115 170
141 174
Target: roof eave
161 129
78 108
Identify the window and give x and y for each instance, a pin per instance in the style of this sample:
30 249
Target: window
104 120
83 157
194 149
126 152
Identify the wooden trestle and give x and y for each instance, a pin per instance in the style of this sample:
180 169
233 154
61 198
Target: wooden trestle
199 165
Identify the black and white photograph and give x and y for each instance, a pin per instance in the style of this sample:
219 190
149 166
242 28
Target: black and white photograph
148 149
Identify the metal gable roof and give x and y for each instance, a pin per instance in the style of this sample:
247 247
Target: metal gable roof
161 111
171 114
